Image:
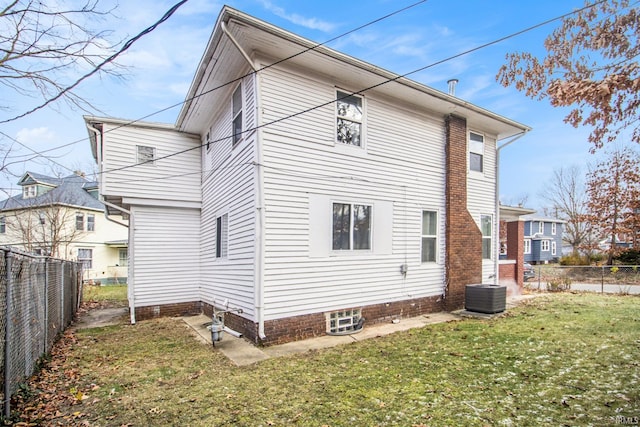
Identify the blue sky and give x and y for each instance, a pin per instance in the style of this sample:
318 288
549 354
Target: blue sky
161 66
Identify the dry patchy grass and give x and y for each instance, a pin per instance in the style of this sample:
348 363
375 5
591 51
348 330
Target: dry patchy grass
560 360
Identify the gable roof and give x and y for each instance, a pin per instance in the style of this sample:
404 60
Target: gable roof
254 35
71 190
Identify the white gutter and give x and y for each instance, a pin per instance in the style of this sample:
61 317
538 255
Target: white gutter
497 201
223 25
130 293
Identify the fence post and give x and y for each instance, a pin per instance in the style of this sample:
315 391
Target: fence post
46 305
7 337
602 280
62 325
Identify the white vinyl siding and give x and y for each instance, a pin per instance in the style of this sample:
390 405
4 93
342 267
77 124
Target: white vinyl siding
166 256
305 172
229 191
160 182
481 197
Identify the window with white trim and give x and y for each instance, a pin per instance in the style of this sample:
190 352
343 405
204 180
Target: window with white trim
429 236
476 152
222 236
80 221
527 246
486 226
85 256
553 228
351 227
146 155
541 227
236 107
91 222
3 225
29 191
123 257
553 248
349 119
544 246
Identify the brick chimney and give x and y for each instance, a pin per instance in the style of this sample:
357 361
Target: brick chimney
463 262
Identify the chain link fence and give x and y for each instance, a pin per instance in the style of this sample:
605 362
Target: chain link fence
38 300
605 278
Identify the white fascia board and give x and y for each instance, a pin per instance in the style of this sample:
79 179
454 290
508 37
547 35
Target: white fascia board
134 201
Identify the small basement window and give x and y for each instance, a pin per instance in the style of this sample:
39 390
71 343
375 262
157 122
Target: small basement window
344 322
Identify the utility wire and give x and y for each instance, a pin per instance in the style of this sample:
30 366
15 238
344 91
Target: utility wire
126 46
358 92
131 122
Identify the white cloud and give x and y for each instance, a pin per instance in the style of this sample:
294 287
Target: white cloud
312 23
31 136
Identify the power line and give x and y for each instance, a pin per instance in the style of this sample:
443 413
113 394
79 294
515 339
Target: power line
126 46
131 122
358 92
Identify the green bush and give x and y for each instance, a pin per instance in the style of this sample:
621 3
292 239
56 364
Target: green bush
628 257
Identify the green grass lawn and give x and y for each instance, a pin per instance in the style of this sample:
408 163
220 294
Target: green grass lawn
105 296
565 359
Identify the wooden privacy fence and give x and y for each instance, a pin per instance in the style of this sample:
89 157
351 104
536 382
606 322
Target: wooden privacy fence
39 297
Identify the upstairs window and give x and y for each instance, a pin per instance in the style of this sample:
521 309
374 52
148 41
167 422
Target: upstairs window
351 227
476 152
29 191
553 228
3 225
146 155
429 235
541 227
80 221
222 236
237 114
91 222
349 119
486 226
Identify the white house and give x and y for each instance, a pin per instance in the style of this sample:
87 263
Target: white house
62 217
304 186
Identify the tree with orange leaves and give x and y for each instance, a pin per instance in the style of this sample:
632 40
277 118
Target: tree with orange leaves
613 187
592 66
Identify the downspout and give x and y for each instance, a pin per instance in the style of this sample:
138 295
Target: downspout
497 201
260 240
223 26
130 293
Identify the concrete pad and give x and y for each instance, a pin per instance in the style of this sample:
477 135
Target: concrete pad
103 317
238 350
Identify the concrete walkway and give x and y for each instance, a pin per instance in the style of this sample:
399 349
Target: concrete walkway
242 352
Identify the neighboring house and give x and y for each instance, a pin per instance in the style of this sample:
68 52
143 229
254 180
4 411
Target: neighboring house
542 239
306 205
62 217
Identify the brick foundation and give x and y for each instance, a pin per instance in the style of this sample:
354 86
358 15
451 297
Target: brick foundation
464 240
295 328
168 310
